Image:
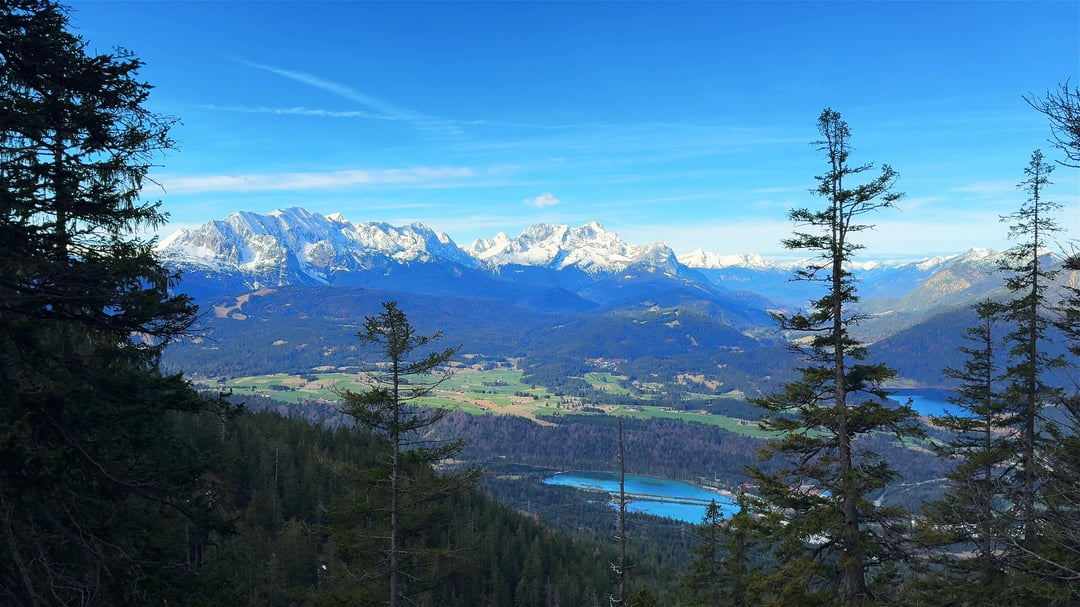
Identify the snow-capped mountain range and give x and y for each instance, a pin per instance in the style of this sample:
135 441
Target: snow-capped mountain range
589 248
248 241
295 246
322 244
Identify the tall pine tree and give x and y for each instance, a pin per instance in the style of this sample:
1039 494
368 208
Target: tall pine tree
95 491
1029 278
817 510
1035 484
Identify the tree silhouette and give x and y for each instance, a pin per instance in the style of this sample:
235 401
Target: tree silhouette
816 511
409 370
99 502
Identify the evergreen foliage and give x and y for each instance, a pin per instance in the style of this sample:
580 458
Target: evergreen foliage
966 522
1009 517
279 480
99 503
1029 310
817 512
727 561
409 371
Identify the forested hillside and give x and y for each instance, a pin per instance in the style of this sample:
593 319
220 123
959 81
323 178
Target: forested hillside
287 530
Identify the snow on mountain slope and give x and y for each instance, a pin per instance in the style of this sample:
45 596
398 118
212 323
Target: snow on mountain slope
317 245
589 248
297 246
707 260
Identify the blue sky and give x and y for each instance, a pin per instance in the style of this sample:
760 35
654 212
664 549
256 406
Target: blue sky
683 122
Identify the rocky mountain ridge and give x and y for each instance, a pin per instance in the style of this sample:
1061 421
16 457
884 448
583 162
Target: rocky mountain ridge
295 246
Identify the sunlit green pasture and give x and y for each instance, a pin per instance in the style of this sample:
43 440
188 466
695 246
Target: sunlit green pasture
609 383
738 426
475 391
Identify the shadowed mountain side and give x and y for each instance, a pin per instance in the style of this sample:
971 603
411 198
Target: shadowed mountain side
295 329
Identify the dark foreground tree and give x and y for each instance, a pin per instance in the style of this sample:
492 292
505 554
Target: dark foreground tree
1062 495
98 503
1011 511
817 511
725 565
405 491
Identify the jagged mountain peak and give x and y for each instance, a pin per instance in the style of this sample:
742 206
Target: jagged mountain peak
294 244
320 244
589 247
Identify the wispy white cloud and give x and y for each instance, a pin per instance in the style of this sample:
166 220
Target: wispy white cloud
423 176
719 236
547 199
918 202
291 111
383 110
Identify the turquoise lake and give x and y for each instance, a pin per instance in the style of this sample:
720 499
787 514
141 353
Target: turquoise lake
924 401
927 401
651 486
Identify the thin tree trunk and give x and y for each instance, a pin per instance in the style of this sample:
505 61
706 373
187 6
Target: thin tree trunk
1030 537
854 574
395 532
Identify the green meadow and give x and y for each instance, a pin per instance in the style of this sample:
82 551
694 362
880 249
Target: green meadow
478 391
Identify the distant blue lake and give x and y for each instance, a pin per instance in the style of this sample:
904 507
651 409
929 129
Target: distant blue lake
929 401
648 485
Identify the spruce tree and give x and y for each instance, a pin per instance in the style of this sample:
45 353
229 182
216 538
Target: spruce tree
966 524
816 510
1043 541
726 565
99 502
1029 278
702 584
410 369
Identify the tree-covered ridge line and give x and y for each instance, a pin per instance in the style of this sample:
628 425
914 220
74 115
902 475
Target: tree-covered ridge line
293 527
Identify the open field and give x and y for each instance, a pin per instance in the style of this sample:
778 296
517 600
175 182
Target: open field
475 390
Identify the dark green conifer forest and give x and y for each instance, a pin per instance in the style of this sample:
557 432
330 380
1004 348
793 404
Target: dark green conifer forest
121 484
